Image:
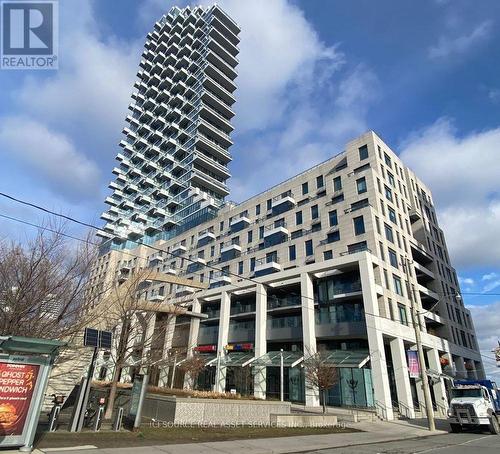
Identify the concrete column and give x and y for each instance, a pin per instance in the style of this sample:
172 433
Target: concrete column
260 347
194 328
308 333
460 371
471 374
439 386
150 321
402 378
479 370
380 379
225 309
167 345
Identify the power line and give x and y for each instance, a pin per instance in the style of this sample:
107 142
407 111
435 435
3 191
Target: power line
488 358
69 218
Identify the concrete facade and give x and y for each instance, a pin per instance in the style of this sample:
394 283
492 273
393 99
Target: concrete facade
316 263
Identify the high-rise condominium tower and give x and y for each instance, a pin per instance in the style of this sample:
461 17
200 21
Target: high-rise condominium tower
173 167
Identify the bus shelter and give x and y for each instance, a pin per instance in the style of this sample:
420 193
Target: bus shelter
25 365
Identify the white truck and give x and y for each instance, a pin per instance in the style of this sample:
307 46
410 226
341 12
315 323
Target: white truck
474 404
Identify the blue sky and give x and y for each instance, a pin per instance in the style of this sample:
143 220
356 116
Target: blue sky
313 75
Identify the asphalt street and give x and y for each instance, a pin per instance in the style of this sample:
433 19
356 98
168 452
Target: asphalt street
462 443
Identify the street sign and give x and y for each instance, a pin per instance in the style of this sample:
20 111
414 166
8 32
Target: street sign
91 337
105 339
97 338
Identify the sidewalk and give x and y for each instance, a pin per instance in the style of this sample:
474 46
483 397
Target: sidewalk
374 432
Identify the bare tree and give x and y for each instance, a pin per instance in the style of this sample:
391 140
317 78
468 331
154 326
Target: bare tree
192 366
321 373
133 319
42 285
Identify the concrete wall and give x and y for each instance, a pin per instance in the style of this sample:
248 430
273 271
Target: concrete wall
181 410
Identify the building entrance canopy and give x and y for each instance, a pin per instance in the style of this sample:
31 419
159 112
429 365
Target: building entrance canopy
344 358
238 359
273 359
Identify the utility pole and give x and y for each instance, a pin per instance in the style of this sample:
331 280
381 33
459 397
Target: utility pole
415 317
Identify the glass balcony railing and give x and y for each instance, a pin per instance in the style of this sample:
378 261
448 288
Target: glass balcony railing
274 302
242 308
293 321
339 313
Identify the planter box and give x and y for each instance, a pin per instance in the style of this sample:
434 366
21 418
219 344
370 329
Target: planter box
185 410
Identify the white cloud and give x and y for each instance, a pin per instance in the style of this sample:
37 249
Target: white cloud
487 323
492 285
463 175
457 45
280 54
51 157
466 280
488 276
494 95
87 97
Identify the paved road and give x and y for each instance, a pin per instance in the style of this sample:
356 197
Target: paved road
463 443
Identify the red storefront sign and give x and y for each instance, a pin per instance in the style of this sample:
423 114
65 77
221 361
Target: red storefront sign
205 348
17 382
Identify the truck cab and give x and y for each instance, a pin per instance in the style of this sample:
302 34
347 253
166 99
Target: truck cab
474 404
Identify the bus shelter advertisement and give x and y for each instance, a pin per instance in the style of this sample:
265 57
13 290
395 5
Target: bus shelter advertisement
17 382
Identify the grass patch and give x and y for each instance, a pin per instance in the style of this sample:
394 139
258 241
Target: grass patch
148 436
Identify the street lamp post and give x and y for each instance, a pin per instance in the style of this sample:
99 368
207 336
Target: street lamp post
415 316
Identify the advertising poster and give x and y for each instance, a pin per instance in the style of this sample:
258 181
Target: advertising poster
17 382
413 364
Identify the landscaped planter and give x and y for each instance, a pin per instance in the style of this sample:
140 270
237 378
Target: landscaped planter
186 410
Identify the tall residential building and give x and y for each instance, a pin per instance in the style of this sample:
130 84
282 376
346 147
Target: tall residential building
316 263
173 168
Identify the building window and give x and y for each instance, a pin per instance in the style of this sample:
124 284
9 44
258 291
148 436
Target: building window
261 232
381 247
338 199
398 287
319 182
391 309
250 236
314 212
333 236
269 204
390 177
316 227
257 209
221 226
305 188
392 215
388 233
327 255
388 193
309 248
240 267
337 183
332 218
361 185
393 258
252 264
212 251
359 225
363 152
403 316
292 253
298 217
387 160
